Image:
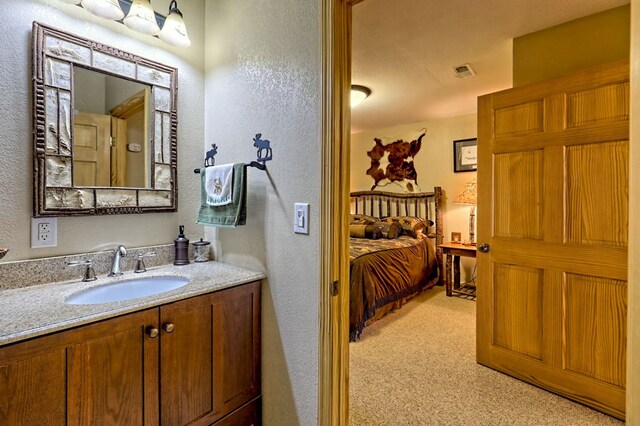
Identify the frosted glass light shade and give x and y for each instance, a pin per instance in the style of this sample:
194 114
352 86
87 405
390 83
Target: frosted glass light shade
359 94
174 31
108 9
71 1
141 18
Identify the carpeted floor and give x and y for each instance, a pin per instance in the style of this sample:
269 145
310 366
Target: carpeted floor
417 366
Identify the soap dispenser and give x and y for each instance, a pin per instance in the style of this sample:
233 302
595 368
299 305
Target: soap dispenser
181 248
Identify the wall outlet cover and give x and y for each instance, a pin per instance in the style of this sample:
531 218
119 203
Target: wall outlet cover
44 232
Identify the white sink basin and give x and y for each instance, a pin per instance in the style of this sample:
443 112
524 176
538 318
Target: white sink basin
126 290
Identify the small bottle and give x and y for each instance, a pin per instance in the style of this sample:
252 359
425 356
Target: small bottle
181 248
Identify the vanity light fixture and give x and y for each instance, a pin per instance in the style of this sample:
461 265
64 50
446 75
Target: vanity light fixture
359 94
142 18
107 9
174 31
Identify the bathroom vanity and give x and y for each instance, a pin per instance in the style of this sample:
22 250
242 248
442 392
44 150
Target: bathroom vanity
187 356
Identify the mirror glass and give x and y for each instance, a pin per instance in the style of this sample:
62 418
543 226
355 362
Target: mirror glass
110 130
105 128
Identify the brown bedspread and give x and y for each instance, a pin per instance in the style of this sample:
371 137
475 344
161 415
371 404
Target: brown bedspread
384 271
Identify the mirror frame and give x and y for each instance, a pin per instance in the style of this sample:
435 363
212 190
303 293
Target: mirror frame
55 54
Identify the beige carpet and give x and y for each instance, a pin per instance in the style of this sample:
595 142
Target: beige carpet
417 366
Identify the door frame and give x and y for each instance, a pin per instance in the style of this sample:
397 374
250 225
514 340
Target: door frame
333 374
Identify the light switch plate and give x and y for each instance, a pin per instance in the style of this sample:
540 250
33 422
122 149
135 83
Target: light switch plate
44 232
301 218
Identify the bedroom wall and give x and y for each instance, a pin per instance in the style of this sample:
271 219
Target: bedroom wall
263 75
434 165
82 234
582 43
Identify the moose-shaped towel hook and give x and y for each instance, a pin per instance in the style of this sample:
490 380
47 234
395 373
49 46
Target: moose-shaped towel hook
210 160
264 146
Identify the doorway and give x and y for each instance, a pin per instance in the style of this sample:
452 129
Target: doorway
330 315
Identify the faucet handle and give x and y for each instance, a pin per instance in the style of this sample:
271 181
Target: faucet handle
89 273
140 266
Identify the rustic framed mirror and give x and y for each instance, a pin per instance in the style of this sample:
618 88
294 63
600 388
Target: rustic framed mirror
105 128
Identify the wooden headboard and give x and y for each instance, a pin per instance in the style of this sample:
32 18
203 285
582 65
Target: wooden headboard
421 204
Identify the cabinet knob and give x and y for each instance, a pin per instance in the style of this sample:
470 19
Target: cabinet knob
168 327
152 332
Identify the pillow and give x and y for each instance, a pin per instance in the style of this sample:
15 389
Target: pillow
361 230
363 219
411 226
391 230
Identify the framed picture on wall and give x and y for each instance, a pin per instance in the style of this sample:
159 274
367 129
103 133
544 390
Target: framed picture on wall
465 155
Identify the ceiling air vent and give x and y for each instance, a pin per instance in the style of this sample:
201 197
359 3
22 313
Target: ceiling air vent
464 71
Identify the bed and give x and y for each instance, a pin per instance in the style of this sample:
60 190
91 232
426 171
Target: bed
385 273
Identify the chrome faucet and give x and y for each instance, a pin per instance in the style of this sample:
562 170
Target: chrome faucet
118 253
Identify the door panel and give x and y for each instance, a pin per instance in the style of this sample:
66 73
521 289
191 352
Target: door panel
518 309
597 188
91 149
553 191
518 204
596 318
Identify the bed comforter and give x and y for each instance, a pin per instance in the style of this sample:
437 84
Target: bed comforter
384 271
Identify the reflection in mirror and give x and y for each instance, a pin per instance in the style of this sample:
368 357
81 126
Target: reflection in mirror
105 129
110 131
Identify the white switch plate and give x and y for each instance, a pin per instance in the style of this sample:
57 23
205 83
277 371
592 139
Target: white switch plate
44 232
301 218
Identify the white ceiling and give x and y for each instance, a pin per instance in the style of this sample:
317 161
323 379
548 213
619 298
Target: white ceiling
403 50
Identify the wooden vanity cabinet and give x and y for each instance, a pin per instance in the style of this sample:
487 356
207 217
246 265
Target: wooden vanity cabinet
195 361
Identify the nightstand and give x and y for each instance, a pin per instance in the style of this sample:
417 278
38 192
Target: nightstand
453 252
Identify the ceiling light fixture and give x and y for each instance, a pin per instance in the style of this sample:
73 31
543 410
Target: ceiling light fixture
71 1
358 94
174 31
107 9
142 18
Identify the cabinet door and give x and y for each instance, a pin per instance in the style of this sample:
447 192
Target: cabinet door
210 360
236 344
247 415
105 373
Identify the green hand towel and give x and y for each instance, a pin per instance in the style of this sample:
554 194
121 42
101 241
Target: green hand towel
230 215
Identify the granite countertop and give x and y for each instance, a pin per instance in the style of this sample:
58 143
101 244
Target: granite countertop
41 309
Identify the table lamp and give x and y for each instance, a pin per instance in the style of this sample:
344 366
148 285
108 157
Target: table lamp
469 196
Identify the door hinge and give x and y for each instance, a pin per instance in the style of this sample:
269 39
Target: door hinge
113 141
335 288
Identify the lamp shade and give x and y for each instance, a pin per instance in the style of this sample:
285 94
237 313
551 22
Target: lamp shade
174 31
142 18
359 94
469 194
108 9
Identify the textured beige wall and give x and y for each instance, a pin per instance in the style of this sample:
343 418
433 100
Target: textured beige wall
263 66
434 164
633 354
582 43
80 234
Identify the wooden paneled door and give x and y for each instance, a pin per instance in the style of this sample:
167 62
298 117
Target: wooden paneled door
553 213
91 149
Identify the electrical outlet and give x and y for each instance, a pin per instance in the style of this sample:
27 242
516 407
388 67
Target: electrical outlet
44 232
